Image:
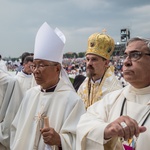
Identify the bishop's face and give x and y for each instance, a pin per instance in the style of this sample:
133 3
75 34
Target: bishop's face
46 73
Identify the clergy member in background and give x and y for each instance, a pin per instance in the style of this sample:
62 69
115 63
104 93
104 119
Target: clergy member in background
25 76
54 98
100 76
10 99
23 56
6 86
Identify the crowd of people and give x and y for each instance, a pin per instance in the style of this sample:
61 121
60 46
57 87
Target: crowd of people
41 108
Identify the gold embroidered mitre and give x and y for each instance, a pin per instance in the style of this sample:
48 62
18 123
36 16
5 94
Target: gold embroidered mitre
100 44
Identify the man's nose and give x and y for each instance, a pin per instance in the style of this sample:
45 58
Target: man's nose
90 62
127 61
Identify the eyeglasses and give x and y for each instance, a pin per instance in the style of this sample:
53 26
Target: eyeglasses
134 55
40 66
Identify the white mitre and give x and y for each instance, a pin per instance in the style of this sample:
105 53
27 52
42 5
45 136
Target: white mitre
49 44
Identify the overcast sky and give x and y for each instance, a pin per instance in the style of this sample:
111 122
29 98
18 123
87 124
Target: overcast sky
77 19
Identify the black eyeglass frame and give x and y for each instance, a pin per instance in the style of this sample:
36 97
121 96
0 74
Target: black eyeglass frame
40 66
135 55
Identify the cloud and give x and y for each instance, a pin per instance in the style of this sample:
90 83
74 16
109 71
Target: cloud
20 20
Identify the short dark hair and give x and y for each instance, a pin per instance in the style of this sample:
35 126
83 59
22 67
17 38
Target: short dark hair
27 59
23 56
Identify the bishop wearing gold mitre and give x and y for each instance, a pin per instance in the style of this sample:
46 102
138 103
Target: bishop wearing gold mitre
100 78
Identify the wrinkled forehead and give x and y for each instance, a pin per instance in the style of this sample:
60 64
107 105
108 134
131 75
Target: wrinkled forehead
137 45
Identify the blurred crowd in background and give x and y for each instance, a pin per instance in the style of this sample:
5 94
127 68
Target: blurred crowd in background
73 66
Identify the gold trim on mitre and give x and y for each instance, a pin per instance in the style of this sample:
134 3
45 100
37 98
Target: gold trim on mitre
100 44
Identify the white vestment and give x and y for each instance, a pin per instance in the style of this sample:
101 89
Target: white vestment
9 107
6 87
25 81
63 107
90 129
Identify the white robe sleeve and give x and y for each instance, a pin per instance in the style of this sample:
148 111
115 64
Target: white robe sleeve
48 147
90 129
14 103
68 131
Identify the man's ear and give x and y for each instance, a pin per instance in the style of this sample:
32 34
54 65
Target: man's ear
107 63
58 67
23 64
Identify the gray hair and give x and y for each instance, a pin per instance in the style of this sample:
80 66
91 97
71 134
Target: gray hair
146 41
